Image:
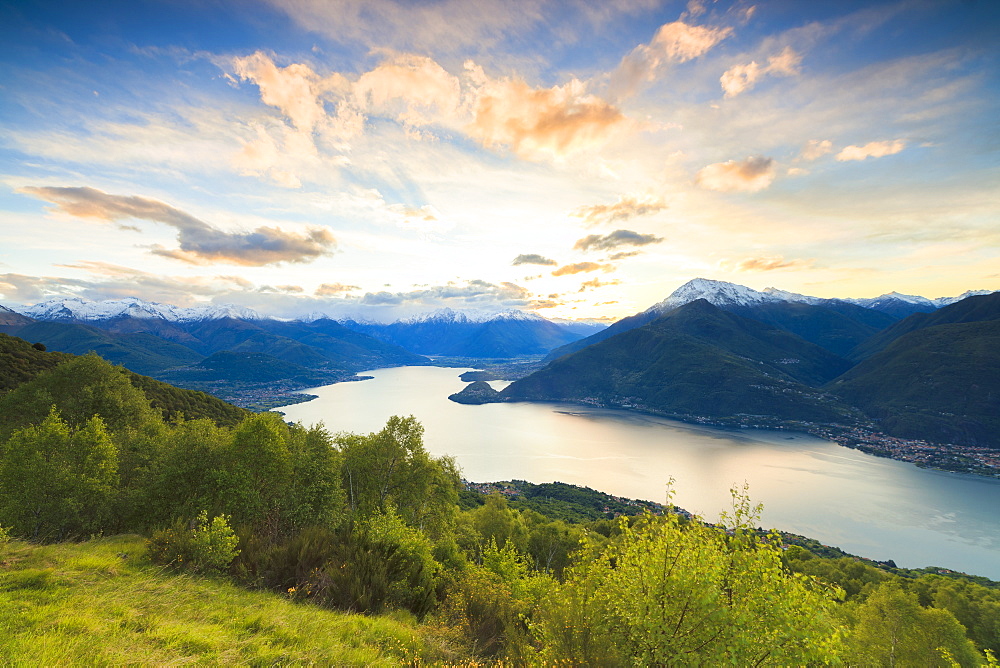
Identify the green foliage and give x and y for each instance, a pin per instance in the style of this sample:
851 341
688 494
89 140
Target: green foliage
891 628
81 388
257 469
57 481
174 403
492 605
202 545
315 496
391 469
381 564
21 361
499 525
101 603
668 593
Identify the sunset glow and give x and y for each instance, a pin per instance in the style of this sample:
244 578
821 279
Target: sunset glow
377 158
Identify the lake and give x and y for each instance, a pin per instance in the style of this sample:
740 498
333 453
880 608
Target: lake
875 507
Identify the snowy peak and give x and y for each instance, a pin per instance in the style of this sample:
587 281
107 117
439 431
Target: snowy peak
467 316
948 301
723 294
77 309
875 302
719 293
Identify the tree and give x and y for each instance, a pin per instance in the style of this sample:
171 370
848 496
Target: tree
666 592
57 482
80 388
391 471
257 474
891 629
315 495
188 473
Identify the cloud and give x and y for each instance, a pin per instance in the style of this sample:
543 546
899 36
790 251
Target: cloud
532 258
582 267
615 239
539 304
741 78
540 123
750 175
875 149
596 283
474 292
296 90
816 148
200 243
330 289
413 89
770 263
622 256
111 281
626 208
675 42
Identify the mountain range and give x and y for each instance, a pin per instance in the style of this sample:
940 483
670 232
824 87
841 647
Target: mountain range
225 348
500 335
917 367
718 350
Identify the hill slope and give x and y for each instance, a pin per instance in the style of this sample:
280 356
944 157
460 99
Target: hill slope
977 308
21 365
103 603
695 360
939 383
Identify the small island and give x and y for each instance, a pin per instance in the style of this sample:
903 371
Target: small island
478 392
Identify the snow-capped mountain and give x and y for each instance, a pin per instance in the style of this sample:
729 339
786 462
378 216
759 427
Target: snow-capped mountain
77 309
727 295
463 316
723 294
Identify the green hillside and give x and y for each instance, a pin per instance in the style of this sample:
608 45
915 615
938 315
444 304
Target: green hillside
372 523
104 602
937 383
838 326
21 363
142 353
249 367
695 360
980 308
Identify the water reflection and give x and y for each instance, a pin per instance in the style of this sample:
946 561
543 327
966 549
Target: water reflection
867 505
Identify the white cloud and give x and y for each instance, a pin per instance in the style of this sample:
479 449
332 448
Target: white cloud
875 149
815 149
740 78
676 42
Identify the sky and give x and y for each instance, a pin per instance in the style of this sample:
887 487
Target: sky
573 158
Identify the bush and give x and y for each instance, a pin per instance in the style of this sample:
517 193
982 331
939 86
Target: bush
202 545
380 564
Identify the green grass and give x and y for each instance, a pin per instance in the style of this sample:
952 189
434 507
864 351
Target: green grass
103 603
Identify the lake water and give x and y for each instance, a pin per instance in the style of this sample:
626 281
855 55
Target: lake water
878 508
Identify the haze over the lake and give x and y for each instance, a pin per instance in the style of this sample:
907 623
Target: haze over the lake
378 158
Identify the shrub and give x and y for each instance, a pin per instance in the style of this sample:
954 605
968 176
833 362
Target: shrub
203 545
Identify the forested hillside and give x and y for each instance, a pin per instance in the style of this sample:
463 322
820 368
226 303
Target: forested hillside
695 360
372 523
21 362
